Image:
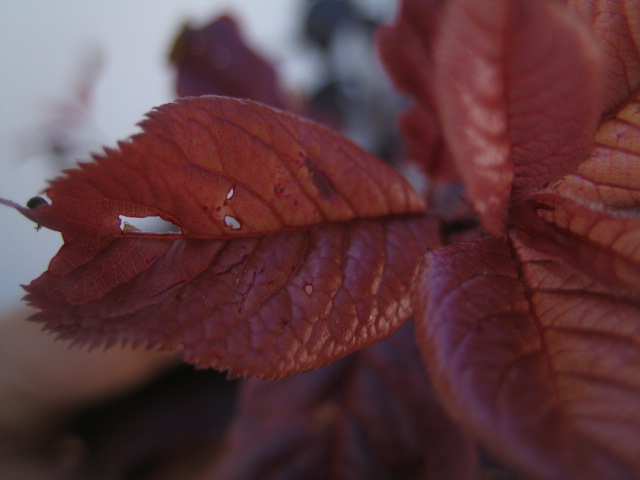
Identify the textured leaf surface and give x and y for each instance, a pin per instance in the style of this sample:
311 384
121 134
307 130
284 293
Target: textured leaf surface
532 340
595 208
266 306
540 360
610 177
616 26
316 262
494 64
215 60
373 415
216 166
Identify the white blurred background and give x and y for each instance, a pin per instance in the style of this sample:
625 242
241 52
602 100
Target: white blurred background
49 48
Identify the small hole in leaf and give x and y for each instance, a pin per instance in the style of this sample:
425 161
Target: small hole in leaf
308 288
230 193
147 225
232 223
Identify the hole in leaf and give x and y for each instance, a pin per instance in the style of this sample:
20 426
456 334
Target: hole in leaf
232 223
308 288
231 192
147 225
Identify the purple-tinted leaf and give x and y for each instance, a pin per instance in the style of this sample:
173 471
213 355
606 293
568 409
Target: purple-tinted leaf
519 93
538 359
373 415
215 60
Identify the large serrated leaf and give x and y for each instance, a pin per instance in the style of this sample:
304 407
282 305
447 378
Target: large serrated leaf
295 248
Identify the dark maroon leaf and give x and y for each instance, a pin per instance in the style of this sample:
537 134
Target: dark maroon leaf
406 50
216 60
373 415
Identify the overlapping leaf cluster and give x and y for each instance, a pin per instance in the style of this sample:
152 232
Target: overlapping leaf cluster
530 334
296 248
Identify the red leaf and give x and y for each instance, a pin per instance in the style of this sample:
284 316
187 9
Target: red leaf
533 341
318 263
216 60
538 359
595 208
495 62
602 244
616 26
373 415
219 167
610 178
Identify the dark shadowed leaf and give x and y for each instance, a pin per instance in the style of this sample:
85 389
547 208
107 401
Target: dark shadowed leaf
406 50
372 415
215 60
538 359
179 419
295 247
501 68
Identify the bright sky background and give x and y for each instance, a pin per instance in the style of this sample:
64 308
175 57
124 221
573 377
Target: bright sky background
42 45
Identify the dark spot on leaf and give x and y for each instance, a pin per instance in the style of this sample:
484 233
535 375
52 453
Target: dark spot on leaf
320 180
36 202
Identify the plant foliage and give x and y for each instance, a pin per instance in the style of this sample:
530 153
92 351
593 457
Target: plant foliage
295 248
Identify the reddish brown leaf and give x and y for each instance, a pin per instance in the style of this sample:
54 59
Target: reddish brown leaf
595 208
610 178
495 62
538 359
373 415
316 261
266 306
616 26
603 244
216 166
216 60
